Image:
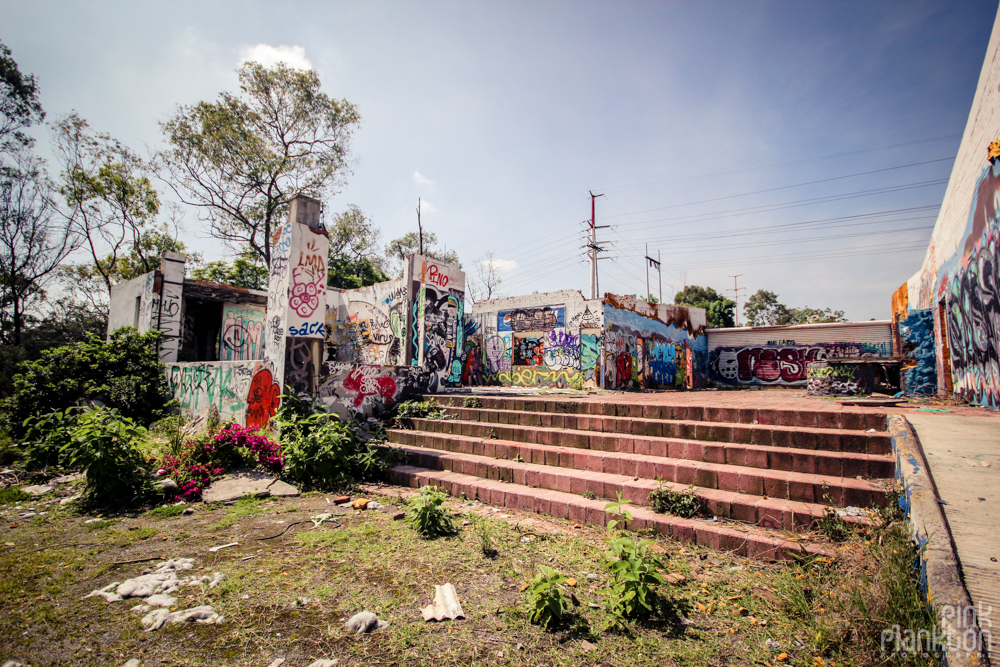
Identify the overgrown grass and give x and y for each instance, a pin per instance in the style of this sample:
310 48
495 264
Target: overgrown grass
289 596
244 507
13 495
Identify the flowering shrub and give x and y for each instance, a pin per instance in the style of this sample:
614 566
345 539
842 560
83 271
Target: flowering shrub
207 456
245 440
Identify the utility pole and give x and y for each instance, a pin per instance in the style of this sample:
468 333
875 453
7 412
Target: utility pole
420 228
655 263
736 294
594 248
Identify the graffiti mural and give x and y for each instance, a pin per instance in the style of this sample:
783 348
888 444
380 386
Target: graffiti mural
647 345
438 320
262 399
969 283
196 386
472 360
531 319
590 355
781 364
528 350
242 333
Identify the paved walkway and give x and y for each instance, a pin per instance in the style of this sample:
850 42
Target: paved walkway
963 455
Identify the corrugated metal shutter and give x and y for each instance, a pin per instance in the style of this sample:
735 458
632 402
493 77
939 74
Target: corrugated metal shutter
876 333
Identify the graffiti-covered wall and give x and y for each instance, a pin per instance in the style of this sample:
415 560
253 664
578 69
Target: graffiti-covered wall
537 340
436 333
368 325
780 355
959 281
652 345
242 332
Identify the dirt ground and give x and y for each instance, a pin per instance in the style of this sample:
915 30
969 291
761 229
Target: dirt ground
289 586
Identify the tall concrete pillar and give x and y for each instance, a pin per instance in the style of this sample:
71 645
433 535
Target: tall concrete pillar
169 308
296 301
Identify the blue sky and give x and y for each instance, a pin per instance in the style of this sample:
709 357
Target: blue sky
701 122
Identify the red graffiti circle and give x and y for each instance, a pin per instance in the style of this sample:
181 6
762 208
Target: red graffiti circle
262 399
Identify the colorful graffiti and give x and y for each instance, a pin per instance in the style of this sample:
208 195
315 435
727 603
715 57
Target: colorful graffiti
970 285
531 319
917 331
242 333
262 399
472 361
530 376
368 381
590 355
778 364
528 350
642 349
197 386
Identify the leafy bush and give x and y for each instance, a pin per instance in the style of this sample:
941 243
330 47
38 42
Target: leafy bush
12 495
546 598
633 568
427 516
106 445
417 410
321 450
49 438
123 373
682 503
472 402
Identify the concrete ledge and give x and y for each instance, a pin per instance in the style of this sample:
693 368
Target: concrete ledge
940 574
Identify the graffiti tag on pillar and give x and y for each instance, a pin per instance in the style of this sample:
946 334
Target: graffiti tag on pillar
263 399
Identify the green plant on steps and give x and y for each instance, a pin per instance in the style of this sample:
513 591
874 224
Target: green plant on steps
407 410
472 402
682 503
546 598
427 516
831 524
633 569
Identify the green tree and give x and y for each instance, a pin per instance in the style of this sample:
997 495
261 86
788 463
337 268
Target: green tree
243 158
408 244
719 311
247 270
111 200
345 273
764 309
124 373
20 107
34 239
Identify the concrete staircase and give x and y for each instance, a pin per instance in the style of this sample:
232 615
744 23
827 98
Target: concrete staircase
767 473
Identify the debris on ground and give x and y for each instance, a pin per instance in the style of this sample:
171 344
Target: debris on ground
236 486
323 663
159 617
223 546
851 511
319 519
445 605
37 489
155 587
365 621
360 503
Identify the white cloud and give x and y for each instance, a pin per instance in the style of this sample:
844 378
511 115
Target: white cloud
501 265
427 207
420 179
268 56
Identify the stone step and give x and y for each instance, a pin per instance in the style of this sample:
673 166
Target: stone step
764 511
843 418
784 437
742 540
803 486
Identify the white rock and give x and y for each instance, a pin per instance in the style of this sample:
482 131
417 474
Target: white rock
161 600
140 608
134 662
323 663
365 621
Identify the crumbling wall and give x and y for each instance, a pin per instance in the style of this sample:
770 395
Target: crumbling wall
536 340
652 345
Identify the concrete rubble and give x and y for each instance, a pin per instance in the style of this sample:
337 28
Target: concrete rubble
155 587
239 485
445 605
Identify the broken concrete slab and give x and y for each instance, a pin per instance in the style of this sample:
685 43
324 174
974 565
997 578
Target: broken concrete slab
37 489
240 485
